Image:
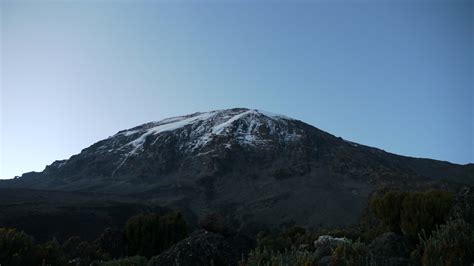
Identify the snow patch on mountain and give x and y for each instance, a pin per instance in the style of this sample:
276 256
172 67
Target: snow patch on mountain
216 123
248 127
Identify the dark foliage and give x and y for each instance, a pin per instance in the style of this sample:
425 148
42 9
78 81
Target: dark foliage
50 253
449 244
149 234
216 223
412 212
388 208
424 210
200 248
112 242
15 247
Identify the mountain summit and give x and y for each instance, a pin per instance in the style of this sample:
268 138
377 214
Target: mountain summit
249 165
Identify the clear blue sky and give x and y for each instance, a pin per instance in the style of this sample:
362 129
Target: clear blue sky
397 75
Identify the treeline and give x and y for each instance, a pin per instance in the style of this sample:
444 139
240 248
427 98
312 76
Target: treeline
142 237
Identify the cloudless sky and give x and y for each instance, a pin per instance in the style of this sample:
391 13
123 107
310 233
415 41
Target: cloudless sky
397 75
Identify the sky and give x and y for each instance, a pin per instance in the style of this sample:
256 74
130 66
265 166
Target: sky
397 75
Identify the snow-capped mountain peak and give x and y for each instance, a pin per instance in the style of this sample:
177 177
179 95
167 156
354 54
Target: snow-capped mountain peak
247 127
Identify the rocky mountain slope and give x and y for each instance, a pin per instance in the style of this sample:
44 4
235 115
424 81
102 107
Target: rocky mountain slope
256 168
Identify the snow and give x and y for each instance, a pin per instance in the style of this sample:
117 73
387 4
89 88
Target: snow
172 124
214 123
219 128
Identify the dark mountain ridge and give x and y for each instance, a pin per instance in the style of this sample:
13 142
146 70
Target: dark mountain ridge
256 168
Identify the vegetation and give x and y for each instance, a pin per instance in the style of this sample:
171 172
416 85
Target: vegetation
149 234
51 253
15 247
266 257
405 213
419 218
424 210
388 209
146 235
413 212
350 254
450 244
130 261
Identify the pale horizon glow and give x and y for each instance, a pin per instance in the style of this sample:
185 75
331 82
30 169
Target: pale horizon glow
396 75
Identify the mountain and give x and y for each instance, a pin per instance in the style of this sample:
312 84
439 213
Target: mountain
256 168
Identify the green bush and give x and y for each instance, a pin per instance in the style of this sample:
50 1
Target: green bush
50 253
388 208
149 234
16 248
130 261
83 252
424 210
271 242
265 257
449 244
293 237
111 243
350 254
410 212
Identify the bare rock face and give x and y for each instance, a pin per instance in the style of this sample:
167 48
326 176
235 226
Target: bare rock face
255 168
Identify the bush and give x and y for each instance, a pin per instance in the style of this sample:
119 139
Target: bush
410 212
292 237
350 254
216 223
388 209
50 253
82 252
265 257
449 244
424 210
267 241
149 234
130 261
112 243
16 247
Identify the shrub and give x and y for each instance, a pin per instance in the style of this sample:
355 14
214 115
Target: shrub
130 261
50 253
216 223
424 210
449 244
267 241
350 254
15 247
89 252
149 234
69 247
265 257
112 243
410 212
388 209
